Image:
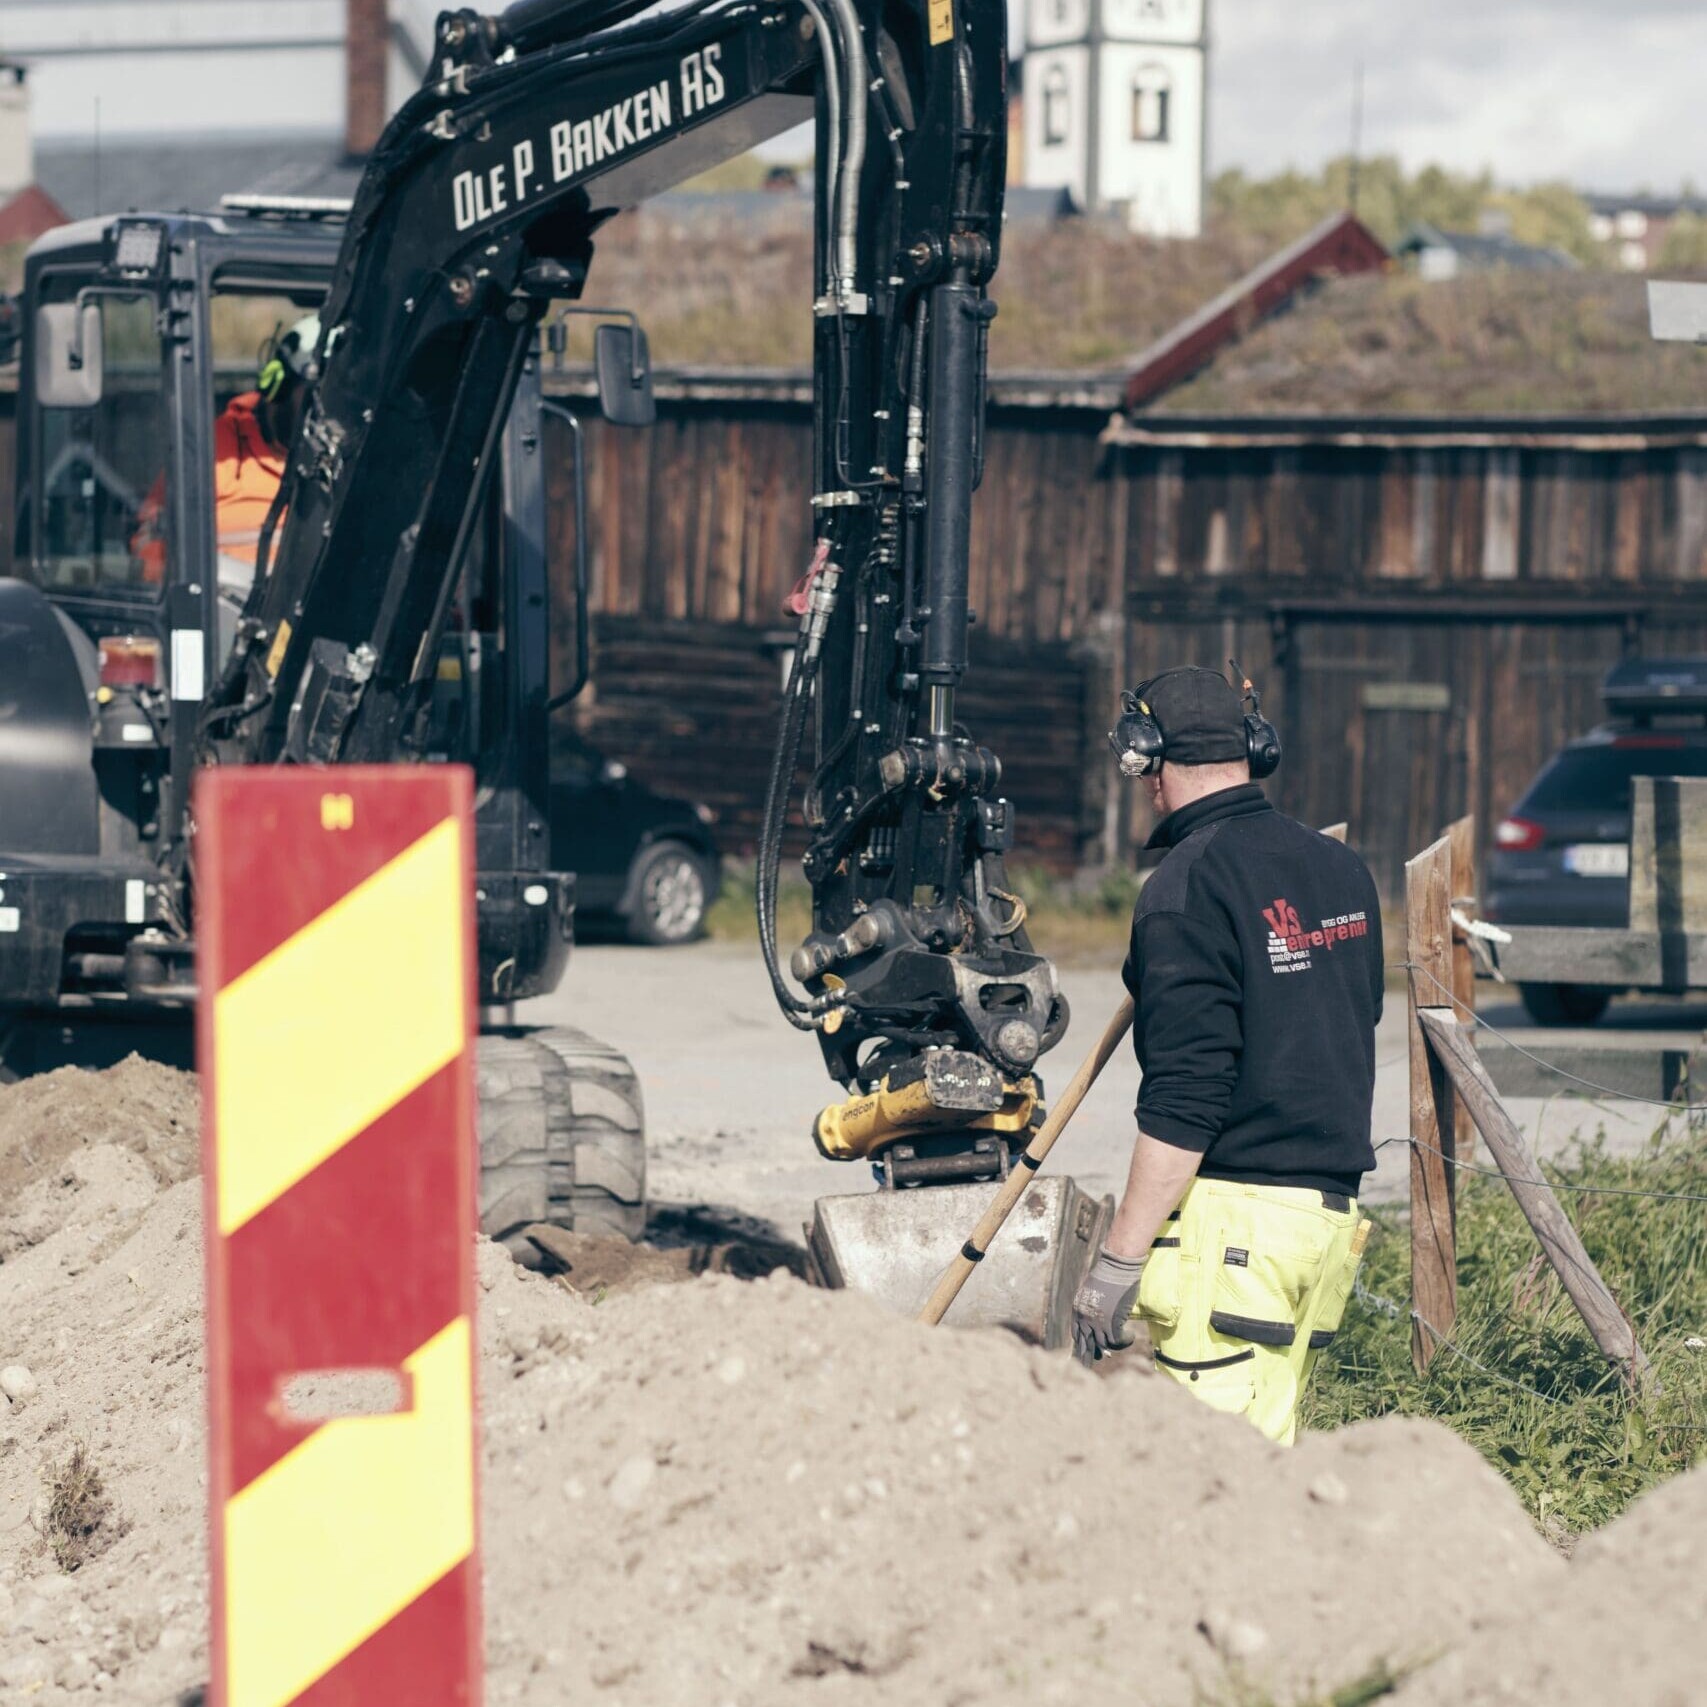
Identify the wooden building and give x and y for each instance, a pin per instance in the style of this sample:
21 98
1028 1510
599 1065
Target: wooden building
1429 604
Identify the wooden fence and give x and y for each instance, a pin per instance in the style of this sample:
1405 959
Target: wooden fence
1452 1098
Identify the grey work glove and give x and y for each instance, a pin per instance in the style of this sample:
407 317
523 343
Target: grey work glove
1102 1307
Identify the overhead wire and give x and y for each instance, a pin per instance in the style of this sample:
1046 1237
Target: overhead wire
1548 1066
1550 1185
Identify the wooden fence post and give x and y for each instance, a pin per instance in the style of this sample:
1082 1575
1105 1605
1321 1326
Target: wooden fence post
1461 834
1434 1248
1559 1238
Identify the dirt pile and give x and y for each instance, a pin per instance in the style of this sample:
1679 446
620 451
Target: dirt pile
718 1491
1631 1613
138 1106
100 1301
762 1493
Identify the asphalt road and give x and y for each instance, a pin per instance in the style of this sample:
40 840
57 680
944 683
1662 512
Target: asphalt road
731 1089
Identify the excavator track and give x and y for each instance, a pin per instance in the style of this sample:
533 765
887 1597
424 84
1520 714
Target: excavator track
562 1136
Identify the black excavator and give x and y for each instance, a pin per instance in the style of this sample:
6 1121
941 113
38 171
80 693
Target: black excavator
386 564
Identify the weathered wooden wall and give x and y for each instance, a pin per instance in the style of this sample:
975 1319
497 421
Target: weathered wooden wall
1428 605
693 705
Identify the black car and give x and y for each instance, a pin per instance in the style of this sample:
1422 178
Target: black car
1562 856
644 860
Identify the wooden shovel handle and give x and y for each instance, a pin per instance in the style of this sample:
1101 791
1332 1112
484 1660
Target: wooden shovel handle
1030 1160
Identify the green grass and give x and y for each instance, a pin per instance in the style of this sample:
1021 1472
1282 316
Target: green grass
1580 1452
1236 1690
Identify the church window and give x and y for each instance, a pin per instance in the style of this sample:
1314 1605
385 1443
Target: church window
1152 101
1055 100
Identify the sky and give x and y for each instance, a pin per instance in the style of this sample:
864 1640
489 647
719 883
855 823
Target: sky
1605 94
1608 94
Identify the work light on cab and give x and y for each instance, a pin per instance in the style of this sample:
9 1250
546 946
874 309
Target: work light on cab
137 249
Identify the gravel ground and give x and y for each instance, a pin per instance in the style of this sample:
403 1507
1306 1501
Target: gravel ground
731 1090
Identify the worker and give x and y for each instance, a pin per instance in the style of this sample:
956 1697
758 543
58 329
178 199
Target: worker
1256 973
251 439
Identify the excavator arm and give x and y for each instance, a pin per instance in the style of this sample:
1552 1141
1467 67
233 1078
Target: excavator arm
479 208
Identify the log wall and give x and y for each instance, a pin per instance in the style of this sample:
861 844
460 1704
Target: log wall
1428 605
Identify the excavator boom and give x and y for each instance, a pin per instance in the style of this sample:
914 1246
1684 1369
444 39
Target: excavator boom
479 208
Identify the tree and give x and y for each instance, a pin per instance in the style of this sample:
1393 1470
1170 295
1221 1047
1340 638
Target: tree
1389 201
1685 246
1553 216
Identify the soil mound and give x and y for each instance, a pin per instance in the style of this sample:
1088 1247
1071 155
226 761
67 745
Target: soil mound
152 1111
1628 1622
761 1493
708 1490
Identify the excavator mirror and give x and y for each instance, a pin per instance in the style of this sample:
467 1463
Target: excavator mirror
70 366
624 367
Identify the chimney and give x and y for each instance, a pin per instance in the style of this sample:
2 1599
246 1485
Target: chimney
365 30
17 158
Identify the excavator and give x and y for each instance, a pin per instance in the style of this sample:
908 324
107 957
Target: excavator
398 609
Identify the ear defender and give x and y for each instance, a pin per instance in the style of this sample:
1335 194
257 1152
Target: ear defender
1262 742
1137 738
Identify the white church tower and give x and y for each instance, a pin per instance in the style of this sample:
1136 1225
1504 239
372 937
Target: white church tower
1115 107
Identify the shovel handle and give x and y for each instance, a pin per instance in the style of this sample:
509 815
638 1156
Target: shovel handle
1012 1189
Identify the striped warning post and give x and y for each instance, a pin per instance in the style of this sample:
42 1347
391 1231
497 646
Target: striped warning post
336 946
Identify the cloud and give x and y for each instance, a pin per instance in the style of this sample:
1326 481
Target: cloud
1605 95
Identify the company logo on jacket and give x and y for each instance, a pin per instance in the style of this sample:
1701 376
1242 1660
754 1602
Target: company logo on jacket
1289 943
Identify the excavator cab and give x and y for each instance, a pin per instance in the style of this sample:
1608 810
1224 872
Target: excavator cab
142 338
145 472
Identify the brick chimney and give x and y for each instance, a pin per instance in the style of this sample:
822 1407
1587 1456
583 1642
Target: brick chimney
365 31
17 158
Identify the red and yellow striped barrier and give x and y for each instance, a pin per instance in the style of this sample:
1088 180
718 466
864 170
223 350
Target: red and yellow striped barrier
336 944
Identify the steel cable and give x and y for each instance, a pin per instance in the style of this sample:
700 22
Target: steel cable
1550 1185
1545 1065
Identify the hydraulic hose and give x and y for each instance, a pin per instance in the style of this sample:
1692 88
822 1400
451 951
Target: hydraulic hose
787 755
529 25
853 154
833 102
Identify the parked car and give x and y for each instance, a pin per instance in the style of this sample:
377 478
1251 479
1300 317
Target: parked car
1562 856
644 860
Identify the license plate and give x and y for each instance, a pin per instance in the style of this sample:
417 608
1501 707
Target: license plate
1598 859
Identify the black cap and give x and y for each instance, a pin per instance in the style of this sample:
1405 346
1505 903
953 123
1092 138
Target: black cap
1200 715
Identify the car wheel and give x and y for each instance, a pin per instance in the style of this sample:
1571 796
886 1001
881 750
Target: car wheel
1564 1004
672 891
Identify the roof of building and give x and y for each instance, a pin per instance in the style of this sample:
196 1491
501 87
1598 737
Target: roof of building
192 172
1498 343
1656 207
1484 250
28 214
1341 244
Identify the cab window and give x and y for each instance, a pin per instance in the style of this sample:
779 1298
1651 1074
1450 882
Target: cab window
99 499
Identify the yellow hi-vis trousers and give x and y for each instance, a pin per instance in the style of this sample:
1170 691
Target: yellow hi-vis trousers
1242 1290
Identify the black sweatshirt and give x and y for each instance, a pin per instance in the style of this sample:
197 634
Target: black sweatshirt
1256 969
